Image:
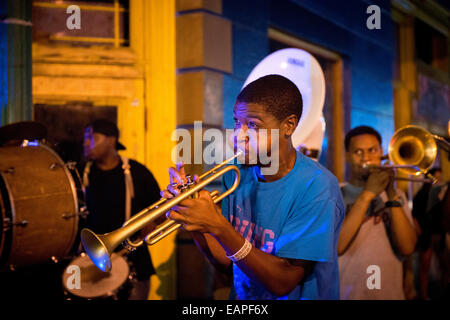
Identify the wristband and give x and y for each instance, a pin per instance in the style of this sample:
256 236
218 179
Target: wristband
242 253
394 203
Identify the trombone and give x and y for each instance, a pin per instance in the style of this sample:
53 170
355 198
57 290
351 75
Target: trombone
99 247
412 150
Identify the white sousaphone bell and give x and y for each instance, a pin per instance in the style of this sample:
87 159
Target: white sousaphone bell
305 72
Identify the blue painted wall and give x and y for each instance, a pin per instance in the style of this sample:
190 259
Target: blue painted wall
339 26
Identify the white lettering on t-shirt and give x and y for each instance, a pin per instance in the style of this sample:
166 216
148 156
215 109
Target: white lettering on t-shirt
267 245
262 238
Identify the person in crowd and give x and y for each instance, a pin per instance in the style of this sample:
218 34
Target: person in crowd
378 228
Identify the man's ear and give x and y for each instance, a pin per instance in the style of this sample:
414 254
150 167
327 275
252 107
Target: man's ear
289 124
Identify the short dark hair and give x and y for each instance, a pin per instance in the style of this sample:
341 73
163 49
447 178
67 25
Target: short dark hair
359 131
279 96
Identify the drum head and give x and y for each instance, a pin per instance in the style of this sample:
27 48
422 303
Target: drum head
95 283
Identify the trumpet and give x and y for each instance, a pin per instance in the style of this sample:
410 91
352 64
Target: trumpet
413 150
100 247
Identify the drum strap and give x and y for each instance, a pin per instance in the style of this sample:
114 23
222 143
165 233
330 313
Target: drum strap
87 170
129 188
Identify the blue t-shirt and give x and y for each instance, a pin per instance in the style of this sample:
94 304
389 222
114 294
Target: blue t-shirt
298 216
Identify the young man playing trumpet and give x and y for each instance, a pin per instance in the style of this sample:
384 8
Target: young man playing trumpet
278 231
378 227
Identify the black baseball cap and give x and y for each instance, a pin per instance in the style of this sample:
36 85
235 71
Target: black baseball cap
107 128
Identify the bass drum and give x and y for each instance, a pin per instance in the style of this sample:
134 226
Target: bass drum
83 280
38 206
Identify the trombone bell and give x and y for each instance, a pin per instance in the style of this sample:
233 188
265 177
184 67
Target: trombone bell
413 146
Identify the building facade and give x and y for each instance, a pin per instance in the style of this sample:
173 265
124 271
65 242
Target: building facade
157 65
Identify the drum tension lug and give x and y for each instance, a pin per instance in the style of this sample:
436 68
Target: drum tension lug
67 216
71 165
10 170
82 213
54 165
7 224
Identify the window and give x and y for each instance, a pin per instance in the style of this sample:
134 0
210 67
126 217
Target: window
431 46
104 23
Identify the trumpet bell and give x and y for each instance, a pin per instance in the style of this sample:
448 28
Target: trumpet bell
96 249
413 145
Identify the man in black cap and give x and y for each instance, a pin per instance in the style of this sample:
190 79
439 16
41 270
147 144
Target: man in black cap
117 188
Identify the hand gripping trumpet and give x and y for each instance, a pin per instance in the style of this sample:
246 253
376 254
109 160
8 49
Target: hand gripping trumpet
100 247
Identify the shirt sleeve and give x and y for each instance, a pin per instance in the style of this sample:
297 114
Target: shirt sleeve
311 230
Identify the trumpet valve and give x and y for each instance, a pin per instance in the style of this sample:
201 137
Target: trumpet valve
184 186
126 244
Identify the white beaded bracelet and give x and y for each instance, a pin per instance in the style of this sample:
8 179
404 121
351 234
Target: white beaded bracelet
242 253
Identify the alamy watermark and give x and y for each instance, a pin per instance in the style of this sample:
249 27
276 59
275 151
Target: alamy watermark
374 280
74 20
74 280
256 147
374 20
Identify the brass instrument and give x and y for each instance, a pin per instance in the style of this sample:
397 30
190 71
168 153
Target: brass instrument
412 150
100 247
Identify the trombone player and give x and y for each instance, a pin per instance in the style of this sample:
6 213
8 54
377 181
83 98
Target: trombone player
378 227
